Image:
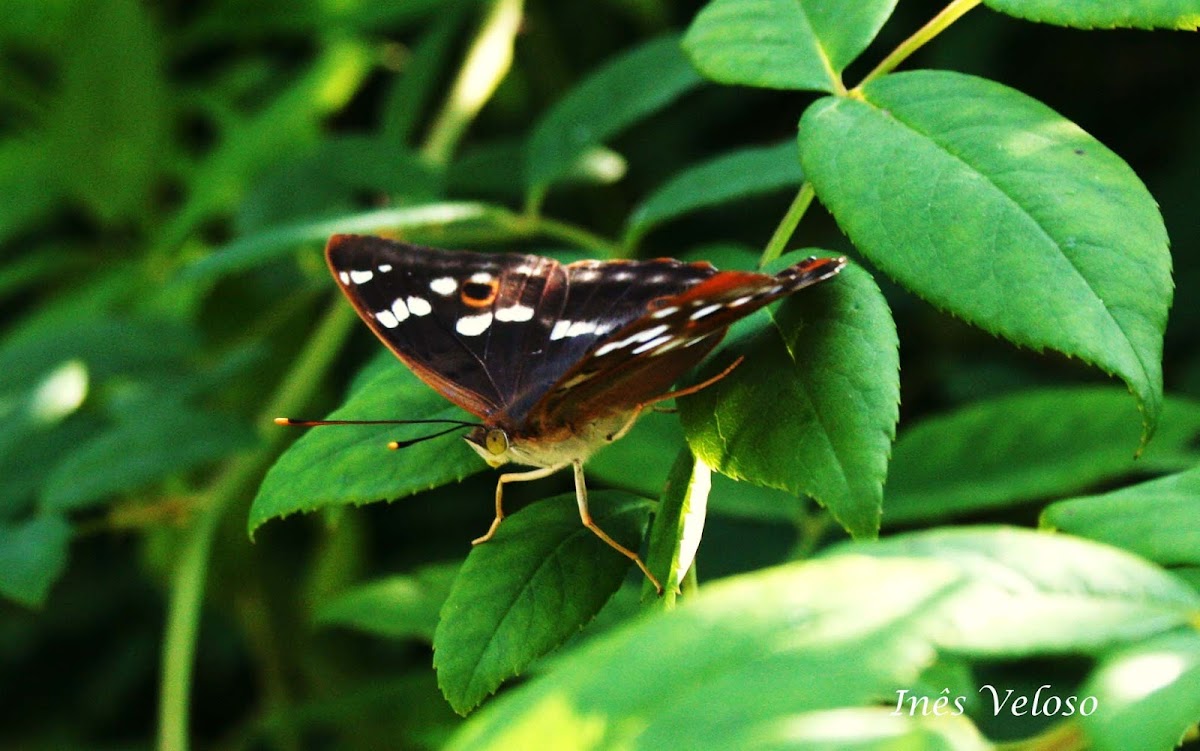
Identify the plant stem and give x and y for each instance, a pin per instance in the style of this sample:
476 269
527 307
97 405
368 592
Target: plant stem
948 15
486 64
783 233
188 580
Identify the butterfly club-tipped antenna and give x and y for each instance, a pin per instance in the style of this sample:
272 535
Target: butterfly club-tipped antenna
393 445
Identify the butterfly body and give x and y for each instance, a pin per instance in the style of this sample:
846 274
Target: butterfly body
556 360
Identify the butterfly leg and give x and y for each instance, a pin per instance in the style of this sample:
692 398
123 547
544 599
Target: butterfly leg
586 517
535 474
633 416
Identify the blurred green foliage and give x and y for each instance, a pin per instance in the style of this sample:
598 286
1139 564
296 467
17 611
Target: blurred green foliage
168 174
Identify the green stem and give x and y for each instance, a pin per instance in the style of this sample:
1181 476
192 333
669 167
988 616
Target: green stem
951 13
486 64
783 233
187 583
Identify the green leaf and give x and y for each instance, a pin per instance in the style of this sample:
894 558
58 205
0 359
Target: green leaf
820 382
351 464
1030 593
133 455
280 242
332 178
830 638
995 208
678 527
108 129
33 554
400 607
1156 519
1137 14
1149 694
635 84
783 44
419 80
1029 446
726 178
524 592
694 677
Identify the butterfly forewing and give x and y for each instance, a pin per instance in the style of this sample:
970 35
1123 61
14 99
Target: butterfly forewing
494 332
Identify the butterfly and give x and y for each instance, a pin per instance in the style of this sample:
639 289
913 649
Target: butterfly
556 360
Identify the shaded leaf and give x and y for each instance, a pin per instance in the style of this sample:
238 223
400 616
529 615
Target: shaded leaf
678 526
33 554
1137 14
404 606
783 44
1159 519
729 177
641 460
108 130
351 464
135 454
635 84
1028 446
1002 212
813 408
538 581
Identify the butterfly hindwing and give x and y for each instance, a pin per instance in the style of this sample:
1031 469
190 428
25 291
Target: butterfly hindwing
639 362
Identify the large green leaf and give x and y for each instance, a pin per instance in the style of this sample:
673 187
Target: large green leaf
1029 593
404 606
1138 14
729 177
636 84
524 592
994 207
33 554
783 44
1149 694
678 526
351 464
1029 446
813 408
767 659
640 461
1159 519
134 454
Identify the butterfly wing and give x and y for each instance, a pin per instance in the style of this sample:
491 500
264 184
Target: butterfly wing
641 360
493 332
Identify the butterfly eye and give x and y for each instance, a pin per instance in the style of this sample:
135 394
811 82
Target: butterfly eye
496 441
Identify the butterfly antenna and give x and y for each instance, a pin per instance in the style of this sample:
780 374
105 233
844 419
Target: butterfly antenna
315 423
396 445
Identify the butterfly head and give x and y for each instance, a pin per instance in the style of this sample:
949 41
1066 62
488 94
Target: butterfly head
491 444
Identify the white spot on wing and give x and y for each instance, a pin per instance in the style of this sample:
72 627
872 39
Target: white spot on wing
652 344
419 306
400 310
444 286
664 312
481 277
344 277
741 301
361 277
707 310
473 325
514 313
386 318
581 327
560 330
606 348
648 334
525 270
385 267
